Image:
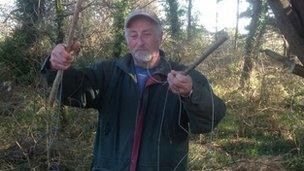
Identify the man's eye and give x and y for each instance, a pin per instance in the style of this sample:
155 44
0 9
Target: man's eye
133 35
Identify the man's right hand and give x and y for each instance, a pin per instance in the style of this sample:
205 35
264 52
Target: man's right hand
60 58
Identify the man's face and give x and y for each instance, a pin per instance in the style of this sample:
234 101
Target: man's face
143 40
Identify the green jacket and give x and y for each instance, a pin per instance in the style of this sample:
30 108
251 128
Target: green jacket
111 88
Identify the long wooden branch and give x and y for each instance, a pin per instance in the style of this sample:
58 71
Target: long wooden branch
210 50
59 74
292 67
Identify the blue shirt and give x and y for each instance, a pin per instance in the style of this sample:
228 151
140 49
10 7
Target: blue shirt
142 76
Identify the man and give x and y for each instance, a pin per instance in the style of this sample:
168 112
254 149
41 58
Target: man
146 104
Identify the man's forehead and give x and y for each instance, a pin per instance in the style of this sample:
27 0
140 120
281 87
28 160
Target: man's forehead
141 18
133 29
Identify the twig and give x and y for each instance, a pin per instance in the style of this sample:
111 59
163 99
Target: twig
24 153
81 9
9 15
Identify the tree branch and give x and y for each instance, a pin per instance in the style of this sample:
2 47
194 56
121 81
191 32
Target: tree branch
292 67
9 15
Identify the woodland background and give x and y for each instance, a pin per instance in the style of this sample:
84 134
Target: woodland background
264 125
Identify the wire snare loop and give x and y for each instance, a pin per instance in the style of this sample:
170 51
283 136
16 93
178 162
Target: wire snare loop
210 50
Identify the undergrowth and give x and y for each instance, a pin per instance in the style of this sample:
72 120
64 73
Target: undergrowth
263 128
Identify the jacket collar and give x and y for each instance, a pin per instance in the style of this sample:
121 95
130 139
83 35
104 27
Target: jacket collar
127 65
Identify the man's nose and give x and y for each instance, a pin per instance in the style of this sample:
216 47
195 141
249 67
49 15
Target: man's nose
140 40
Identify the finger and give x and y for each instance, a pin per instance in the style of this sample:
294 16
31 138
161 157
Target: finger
175 86
60 50
58 66
182 78
170 77
183 91
62 55
67 60
59 61
177 82
173 72
180 75
170 82
174 89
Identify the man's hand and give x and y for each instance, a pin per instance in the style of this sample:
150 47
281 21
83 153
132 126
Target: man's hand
180 83
61 59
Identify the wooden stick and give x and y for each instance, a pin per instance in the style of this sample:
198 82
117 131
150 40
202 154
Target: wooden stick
210 50
59 74
292 67
284 60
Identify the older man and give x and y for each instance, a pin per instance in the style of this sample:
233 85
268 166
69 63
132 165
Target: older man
146 105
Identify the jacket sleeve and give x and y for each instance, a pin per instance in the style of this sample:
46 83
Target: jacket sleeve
204 109
80 88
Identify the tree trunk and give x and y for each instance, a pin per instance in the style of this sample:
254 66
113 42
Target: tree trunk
118 26
237 25
248 63
175 26
189 26
216 16
59 21
290 19
261 30
174 18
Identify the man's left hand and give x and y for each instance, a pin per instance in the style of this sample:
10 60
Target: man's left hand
180 83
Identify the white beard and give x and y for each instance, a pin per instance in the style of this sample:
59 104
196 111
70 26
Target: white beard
143 56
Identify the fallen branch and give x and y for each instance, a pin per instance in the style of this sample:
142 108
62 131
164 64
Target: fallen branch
292 67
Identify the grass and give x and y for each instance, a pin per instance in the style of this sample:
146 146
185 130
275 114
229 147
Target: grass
263 128
250 135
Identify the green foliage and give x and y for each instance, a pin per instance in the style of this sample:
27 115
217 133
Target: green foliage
59 21
15 56
173 14
19 52
118 28
29 11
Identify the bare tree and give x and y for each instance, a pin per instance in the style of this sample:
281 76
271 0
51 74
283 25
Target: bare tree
217 15
189 16
237 25
175 26
290 19
59 21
